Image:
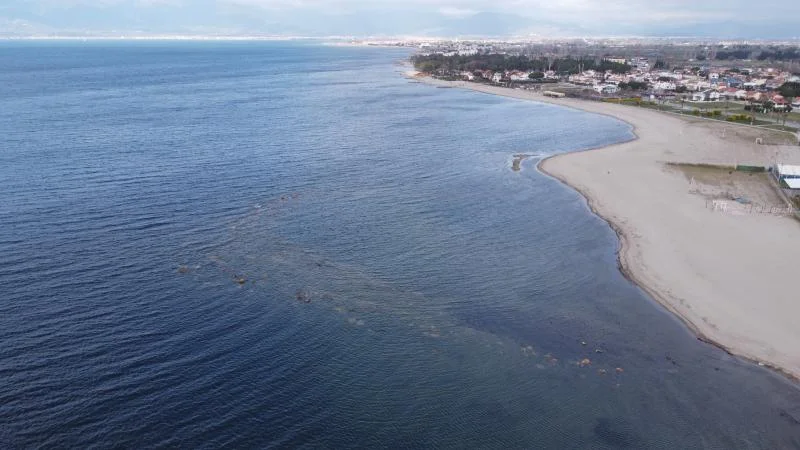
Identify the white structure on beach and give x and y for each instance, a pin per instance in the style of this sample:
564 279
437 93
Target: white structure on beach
787 175
605 88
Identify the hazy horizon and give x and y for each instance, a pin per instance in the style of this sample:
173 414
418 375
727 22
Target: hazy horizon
421 18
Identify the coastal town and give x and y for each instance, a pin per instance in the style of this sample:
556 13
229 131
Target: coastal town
752 85
755 85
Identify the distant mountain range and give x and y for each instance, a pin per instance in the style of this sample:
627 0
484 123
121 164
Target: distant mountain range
18 18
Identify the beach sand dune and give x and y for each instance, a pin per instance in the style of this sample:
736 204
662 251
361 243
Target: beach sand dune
730 277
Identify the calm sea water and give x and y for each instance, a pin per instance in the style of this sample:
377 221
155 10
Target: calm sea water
291 245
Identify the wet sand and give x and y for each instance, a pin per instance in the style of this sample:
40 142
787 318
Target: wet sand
727 274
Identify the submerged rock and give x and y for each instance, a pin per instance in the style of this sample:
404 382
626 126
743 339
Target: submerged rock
303 296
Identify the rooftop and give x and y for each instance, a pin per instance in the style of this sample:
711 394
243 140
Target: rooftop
788 170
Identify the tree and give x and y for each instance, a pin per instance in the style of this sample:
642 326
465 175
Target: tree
536 75
790 89
660 64
634 85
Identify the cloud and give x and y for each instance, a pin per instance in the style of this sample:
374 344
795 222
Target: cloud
475 17
450 11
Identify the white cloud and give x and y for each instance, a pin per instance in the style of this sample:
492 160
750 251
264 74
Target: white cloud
607 16
451 11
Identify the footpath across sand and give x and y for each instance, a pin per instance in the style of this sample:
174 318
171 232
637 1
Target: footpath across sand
730 275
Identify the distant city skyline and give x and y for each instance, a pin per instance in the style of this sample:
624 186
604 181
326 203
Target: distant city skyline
711 18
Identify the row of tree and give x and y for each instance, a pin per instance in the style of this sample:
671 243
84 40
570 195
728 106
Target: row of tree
762 54
790 89
438 63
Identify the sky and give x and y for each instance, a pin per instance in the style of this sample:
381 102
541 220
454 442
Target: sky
444 18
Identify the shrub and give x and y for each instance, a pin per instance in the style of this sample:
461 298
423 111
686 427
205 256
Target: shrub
744 118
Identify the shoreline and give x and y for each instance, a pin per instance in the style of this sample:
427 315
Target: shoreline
635 260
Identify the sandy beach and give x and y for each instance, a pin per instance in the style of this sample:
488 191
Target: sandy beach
727 274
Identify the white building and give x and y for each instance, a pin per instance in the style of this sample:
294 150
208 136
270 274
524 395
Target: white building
707 95
664 86
605 88
787 176
497 77
519 76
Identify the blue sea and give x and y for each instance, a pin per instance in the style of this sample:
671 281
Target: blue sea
290 245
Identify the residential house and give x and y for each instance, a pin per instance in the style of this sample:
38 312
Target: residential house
664 86
754 97
728 93
733 82
780 102
497 77
518 76
606 88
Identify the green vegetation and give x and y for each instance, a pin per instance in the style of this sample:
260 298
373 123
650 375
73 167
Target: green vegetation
790 89
717 105
752 169
740 118
780 54
437 63
736 53
628 101
634 85
536 75
771 53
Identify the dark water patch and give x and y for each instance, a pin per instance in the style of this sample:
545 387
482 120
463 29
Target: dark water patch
616 433
215 254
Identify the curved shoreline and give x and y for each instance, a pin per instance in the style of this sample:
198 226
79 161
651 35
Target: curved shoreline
630 240
624 267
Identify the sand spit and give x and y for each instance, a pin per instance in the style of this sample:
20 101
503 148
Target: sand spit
727 273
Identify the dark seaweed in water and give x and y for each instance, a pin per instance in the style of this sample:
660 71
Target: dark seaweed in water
439 262
614 432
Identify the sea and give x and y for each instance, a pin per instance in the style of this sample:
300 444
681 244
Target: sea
292 245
